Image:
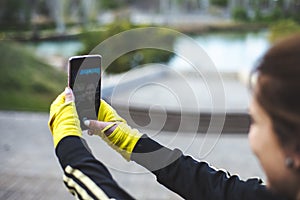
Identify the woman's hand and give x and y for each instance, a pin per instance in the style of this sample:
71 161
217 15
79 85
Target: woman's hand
114 130
63 120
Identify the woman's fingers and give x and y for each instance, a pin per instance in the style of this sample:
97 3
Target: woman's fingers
69 95
95 126
99 126
93 132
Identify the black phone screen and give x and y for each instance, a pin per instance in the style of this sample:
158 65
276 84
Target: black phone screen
85 81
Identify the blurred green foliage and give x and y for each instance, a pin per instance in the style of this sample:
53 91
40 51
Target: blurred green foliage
283 28
15 14
26 83
221 3
267 14
132 59
240 14
112 4
275 15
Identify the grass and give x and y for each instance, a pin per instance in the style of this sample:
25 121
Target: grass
283 28
26 83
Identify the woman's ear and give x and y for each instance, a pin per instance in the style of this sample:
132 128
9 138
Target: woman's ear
292 160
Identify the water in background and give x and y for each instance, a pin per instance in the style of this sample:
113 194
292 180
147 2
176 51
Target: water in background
230 52
55 53
56 48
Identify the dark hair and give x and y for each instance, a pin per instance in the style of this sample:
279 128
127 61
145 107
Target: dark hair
278 89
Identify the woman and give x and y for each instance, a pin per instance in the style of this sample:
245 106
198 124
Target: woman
274 138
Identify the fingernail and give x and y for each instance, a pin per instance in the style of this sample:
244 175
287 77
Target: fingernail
68 90
87 122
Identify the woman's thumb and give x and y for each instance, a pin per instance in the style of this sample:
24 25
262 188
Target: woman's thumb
94 124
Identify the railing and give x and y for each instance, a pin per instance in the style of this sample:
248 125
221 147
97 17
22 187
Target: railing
234 122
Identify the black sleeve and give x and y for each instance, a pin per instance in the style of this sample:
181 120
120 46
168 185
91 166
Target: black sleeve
192 179
85 176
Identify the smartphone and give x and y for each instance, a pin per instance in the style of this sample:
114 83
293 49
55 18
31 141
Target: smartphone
84 78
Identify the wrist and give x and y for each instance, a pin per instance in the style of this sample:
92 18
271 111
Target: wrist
65 123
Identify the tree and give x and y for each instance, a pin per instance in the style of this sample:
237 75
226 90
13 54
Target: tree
15 13
221 3
131 59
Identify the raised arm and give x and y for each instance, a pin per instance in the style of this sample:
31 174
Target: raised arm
185 176
84 176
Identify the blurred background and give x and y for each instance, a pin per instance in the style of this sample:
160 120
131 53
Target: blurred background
38 36
155 90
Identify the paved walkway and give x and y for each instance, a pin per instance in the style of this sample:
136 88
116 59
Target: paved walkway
29 169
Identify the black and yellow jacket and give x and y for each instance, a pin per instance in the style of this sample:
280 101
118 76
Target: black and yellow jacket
88 178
